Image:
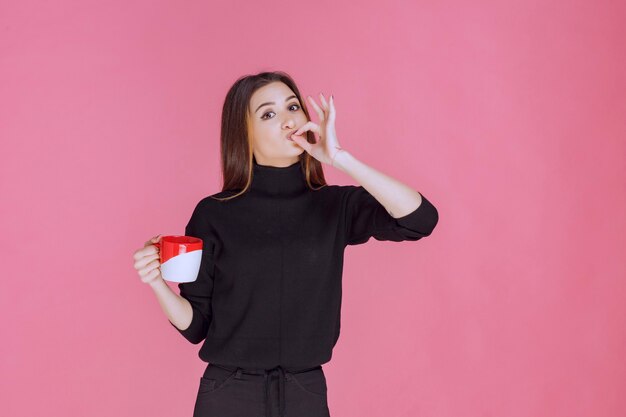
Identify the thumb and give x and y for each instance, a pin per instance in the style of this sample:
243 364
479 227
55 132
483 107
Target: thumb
302 142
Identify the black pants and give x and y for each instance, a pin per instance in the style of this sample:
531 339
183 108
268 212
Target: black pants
238 392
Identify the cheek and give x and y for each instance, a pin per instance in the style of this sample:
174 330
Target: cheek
267 136
260 132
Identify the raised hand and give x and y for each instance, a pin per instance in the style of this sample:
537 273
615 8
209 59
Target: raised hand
326 146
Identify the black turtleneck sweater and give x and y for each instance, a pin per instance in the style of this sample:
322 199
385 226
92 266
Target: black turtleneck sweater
269 288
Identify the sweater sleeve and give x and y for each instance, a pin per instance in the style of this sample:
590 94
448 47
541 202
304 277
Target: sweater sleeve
366 218
199 292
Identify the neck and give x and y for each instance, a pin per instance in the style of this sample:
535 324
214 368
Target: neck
273 180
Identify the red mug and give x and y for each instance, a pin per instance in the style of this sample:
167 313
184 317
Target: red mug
180 257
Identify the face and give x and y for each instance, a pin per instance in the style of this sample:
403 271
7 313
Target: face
274 114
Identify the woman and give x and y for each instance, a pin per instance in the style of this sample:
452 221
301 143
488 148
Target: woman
267 299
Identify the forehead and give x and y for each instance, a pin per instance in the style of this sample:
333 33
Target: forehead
271 92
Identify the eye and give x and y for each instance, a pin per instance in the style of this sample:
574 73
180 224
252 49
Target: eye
290 106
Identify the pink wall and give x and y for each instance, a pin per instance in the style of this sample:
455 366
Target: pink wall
510 118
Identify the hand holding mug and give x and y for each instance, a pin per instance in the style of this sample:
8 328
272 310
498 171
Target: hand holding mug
174 258
147 261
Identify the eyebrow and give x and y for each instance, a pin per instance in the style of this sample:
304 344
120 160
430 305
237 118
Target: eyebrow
271 102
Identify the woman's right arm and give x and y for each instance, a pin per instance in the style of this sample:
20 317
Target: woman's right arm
177 309
147 262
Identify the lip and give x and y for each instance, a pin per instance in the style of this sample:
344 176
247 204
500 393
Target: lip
289 134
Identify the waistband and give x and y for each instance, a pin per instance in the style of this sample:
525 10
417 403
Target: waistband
283 374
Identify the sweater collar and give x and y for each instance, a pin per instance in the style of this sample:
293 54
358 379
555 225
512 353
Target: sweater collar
278 180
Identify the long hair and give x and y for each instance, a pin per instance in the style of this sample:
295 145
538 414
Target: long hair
235 144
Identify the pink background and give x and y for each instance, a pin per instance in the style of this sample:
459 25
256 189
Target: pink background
508 116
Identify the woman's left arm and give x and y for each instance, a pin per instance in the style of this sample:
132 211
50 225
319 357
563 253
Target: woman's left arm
398 198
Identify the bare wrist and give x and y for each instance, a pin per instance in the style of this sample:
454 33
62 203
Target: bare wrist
340 159
158 284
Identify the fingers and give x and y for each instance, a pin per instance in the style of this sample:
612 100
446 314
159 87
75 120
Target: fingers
147 265
324 102
145 260
151 274
302 142
148 268
145 251
149 249
326 110
148 260
307 126
318 110
153 240
302 129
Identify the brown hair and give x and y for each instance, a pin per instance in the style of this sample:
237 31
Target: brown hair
235 145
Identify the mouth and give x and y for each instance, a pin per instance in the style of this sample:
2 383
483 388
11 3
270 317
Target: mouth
289 134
